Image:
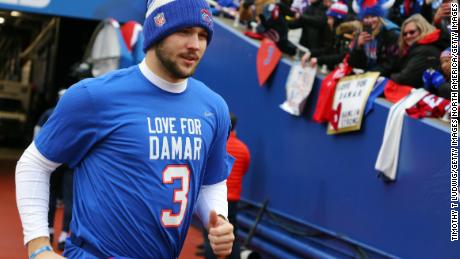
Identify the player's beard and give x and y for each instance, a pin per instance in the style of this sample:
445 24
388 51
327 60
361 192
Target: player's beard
171 66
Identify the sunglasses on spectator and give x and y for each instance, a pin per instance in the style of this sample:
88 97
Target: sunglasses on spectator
407 33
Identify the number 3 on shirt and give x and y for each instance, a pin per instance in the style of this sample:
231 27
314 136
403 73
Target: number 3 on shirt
171 173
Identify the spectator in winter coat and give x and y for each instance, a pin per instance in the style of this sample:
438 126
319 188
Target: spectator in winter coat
335 51
375 47
420 45
314 25
438 81
273 25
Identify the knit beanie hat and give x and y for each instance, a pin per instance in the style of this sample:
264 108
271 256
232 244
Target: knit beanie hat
165 17
372 7
446 53
338 10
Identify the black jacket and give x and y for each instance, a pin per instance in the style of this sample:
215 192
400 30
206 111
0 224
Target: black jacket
421 56
387 52
314 25
275 20
444 90
334 52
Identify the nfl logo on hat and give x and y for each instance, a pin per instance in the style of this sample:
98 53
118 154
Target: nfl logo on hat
160 19
165 17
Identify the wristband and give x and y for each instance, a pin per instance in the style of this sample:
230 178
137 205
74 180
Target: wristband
222 216
39 251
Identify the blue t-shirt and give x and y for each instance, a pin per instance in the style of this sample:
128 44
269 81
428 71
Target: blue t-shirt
140 156
44 117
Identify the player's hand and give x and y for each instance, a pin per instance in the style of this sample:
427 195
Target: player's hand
220 234
49 255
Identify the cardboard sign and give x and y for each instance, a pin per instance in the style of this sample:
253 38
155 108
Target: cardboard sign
268 57
298 88
350 100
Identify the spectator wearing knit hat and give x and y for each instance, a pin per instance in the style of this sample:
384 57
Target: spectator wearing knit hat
338 10
375 47
337 48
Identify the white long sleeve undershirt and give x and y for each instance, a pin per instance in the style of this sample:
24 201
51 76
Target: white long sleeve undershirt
33 172
212 197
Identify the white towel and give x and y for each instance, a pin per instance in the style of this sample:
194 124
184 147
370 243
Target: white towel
387 160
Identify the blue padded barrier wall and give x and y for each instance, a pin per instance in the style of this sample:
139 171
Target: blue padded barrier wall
329 182
121 10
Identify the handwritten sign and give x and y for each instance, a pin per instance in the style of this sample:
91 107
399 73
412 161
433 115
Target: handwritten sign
298 88
350 100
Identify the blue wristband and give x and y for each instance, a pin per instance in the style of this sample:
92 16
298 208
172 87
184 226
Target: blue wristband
39 251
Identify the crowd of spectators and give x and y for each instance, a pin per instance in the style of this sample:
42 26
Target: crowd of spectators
406 41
